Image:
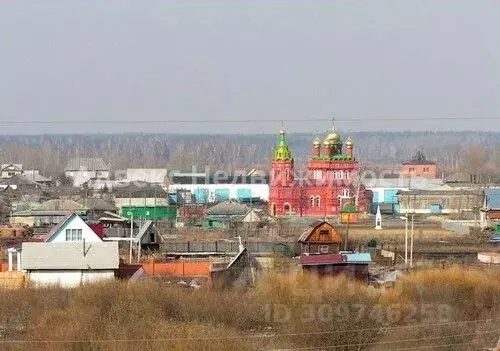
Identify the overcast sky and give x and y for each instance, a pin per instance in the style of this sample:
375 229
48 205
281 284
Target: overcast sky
257 60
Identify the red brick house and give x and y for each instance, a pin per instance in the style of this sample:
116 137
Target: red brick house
419 166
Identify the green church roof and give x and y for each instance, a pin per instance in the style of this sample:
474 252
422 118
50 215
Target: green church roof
281 152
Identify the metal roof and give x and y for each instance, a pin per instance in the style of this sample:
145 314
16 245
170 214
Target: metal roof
60 205
97 204
336 258
143 230
451 192
493 198
86 164
312 227
362 257
419 159
228 208
69 256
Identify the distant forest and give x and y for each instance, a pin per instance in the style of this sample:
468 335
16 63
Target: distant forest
49 153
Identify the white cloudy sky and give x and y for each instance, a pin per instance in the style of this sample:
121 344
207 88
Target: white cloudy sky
134 62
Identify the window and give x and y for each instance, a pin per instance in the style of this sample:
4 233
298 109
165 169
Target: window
341 174
278 173
323 249
73 235
317 174
287 208
312 201
335 175
346 174
412 169
318 201
323 235
287 174
426 169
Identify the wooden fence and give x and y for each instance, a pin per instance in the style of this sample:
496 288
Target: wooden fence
226 247
13 280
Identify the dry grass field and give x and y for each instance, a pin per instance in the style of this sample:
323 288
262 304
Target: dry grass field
432 307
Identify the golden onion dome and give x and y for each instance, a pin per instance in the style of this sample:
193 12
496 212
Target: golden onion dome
326 143
316 142
349 142
334 136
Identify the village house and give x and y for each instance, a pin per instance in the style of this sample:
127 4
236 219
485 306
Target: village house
320 238
385 190
8 170
71 254
419 166
81 170
147 175
72 228
139 194
69 264
440 201
230 211
353 265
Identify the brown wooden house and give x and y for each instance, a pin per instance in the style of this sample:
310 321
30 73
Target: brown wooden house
320 238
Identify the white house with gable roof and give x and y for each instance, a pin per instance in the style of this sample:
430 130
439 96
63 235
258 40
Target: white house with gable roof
72 255
71 229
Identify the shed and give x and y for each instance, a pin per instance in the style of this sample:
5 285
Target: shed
353 265
69 264
320 237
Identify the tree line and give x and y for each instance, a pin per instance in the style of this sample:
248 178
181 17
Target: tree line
453 151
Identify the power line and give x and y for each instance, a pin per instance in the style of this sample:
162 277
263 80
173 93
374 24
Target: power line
395 341
258 336
249 121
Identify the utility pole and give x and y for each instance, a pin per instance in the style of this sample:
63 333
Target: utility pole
406 239
347 232
131 236
411 242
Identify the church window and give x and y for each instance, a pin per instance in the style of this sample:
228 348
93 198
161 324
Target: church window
341 174
346 174
345 192
287 208
287 174
312 201
334 174
278 173
318 201
317 174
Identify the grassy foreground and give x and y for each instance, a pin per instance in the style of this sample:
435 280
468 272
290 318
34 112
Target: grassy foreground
454 308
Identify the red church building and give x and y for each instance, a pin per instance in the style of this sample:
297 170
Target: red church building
331 182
